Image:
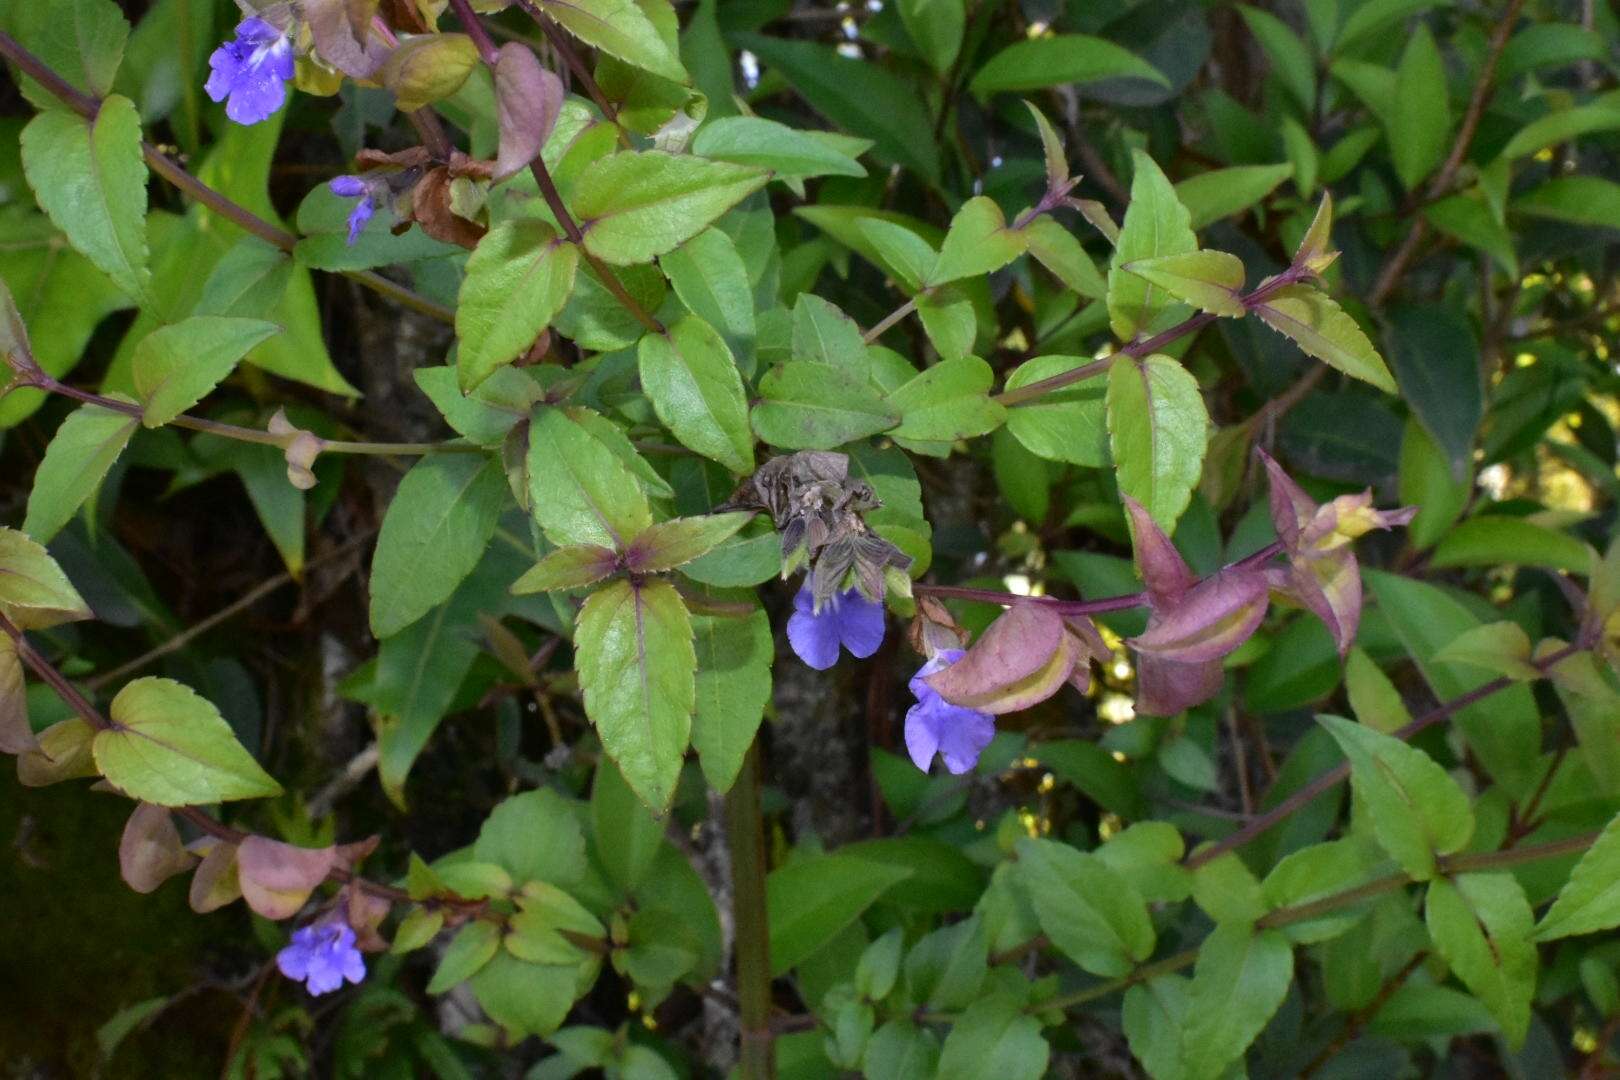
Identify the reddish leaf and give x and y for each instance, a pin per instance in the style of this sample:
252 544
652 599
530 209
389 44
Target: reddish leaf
364 912
527 98
1164 572
1022 658
215 883
1212 619
1088 645
331 26
1166 687
150 851
277 878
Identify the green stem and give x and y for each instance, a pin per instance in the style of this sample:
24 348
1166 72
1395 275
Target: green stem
745 830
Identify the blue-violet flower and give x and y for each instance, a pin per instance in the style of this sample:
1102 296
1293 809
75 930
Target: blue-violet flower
250 72
934 725
353 187
321 956
848 619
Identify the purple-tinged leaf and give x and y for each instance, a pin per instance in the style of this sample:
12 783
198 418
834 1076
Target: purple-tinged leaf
215 883
277 878
1164 572
527 100
1021 659
337 41
1166 687
1291 508
1088 645
150 851
571 567
1211 620
1330 588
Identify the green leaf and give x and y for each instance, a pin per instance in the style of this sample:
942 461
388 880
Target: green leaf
1482 924
994 1037
1059 60
176 366
323 241
75 462
1070 424
1091 912
742 560
486 415
619 28
91 179
1502 648
571 567
766 144
1158 430
628 837
1467 218
1311 319
1373 697
1435 353
1375 15
712 281
1589 901
1056 248
473 947
1156 223
1493 540
1318 871
948 318
1241 979
1154 1017
936 26
857 95
81 40
733 685
669 544
518 278
634 205
1504 730
826 335
810 406
249 281
535 836
34 593
170 746
810 899
1420 130
1578 200
1431 483
1417 810
978 242
634 655
692 380
580 492
524 998
1560 127
900 251
949 401
1223 193
1291 60
1211 281
434 533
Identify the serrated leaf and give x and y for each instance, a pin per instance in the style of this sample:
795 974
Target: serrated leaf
1324 330
1482 924
634 655
75 462
766 144
733 685
1088 909
811 406
948 401
434 533
91 179
81 40
170 746
580 492
823 333
1059 60
908 256
34 592
1156 224
1417 810
1241 979
978 242
1069 424
712 280
571 567
669 544
1211 281
176 366
619 28
691 378
1589 901
633 206
1158 430
518 278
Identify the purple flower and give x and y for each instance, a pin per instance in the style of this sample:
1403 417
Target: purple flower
849 619
321 956
934 725
250 72
353 187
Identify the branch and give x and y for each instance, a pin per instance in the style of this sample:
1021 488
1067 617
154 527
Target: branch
160 163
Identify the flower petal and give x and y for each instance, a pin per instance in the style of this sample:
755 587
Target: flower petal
860 624
922 735
814 637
